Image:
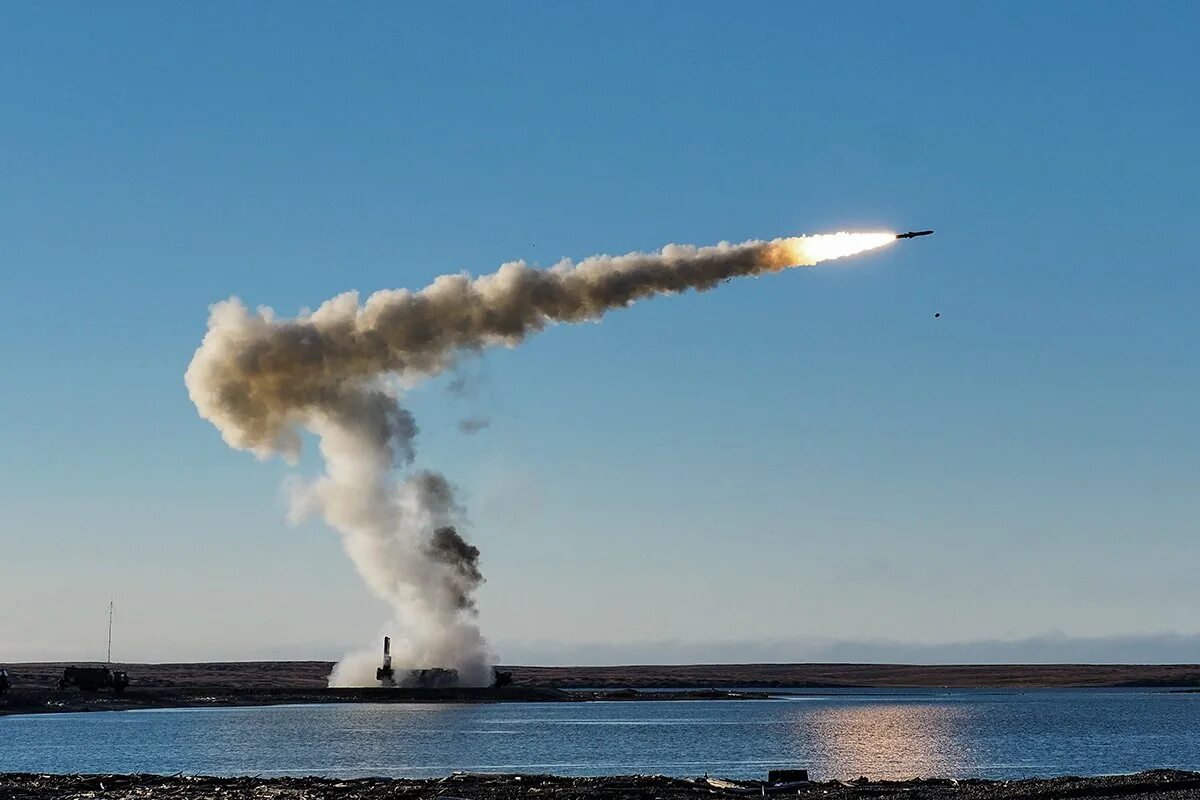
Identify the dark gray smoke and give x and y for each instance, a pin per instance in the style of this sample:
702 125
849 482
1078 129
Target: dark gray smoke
449 548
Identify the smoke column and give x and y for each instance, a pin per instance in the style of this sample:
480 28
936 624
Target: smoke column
336 373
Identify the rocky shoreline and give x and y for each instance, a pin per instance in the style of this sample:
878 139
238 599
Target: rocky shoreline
1166 784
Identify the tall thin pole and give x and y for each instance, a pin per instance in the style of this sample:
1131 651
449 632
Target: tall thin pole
110 616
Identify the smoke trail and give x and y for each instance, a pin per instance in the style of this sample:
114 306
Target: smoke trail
473 424
333 372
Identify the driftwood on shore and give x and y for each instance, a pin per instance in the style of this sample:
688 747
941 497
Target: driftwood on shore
1165 784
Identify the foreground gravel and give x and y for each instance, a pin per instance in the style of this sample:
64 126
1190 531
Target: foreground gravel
19 786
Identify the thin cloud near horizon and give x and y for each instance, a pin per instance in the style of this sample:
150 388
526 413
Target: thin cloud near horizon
1050 648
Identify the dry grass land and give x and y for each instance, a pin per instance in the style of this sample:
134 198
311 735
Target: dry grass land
865 675
227 674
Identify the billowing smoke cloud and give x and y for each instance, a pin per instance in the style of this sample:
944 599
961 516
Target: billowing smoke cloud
336 372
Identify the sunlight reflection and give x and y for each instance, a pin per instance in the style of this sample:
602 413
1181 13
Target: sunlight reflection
887 740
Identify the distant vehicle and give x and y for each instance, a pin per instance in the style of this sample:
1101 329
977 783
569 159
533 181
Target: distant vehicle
94 679
5 683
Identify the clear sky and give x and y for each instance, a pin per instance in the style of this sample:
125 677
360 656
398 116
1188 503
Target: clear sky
787 467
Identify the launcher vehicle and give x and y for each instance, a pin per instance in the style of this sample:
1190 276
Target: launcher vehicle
433 678
94 679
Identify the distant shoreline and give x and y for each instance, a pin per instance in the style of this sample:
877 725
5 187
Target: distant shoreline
254 683
315 674
53 701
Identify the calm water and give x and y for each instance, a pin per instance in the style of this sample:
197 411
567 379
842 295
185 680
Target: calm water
903 734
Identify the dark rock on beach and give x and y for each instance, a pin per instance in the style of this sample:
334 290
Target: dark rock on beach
1166 784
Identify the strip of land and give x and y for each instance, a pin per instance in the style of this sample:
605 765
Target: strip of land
315 674
871 676
291 682
1156 785
57 701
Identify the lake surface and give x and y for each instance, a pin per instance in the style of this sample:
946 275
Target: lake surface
895 734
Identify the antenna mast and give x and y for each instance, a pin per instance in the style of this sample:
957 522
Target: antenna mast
110 616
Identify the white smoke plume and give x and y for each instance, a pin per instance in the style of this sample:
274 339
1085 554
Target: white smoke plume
335 372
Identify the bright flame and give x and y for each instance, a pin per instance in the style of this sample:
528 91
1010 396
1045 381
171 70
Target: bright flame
809 250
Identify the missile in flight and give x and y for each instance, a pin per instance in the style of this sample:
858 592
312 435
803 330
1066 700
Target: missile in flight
912 234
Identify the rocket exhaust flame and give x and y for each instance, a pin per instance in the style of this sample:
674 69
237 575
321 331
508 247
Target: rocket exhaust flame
333 372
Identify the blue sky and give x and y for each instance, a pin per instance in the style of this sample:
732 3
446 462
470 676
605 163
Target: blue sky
803 458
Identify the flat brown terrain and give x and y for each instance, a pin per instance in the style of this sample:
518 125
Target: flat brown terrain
1157 785
313 675
864 675
229 674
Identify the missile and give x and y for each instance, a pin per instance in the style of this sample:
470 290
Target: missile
912 234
